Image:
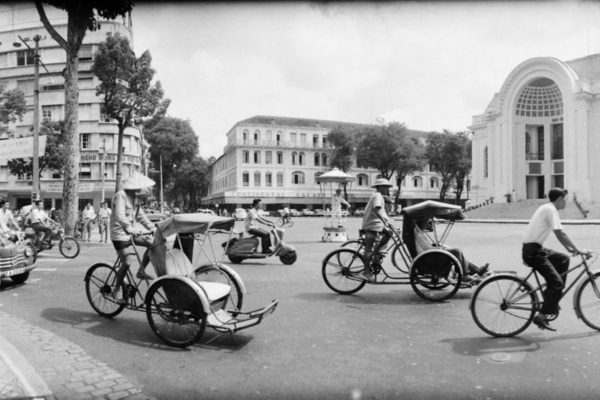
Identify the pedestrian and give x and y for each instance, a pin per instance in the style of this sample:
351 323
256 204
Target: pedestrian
550 264
103 221
374 224
88 216
336 207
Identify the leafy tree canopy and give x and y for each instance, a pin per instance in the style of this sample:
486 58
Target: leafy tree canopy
342 140
378 146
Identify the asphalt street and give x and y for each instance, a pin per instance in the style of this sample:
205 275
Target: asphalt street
383 342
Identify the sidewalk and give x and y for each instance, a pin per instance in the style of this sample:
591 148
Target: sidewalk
37 364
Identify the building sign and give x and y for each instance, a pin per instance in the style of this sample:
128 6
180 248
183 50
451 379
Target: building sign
109 157
57 187
20 148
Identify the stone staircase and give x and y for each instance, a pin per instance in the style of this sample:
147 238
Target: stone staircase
524 209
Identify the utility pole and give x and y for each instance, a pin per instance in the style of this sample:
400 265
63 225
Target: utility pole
102 166
161 185
35 193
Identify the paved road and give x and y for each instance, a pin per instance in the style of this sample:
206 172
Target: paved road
383 342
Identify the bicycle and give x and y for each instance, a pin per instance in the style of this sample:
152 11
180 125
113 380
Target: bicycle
504 305
285 221
392 247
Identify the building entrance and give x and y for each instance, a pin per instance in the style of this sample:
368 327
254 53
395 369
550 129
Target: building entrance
535 187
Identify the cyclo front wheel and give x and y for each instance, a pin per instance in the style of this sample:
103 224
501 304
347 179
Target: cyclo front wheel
587 301
340 270
99 283
69 247
212 273
175 313
503 306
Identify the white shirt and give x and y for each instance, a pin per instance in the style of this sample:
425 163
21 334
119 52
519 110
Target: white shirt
6 219
251 218
89 213
37 215
544 220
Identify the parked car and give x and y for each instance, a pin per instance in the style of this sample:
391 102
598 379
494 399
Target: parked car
294 212
307 213
319 212
205 211
359 212
240 214
264 213
16 261
155 216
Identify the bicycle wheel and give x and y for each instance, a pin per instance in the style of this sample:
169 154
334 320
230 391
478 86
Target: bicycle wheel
69 247
503 306
290 222
587 301
212 273
99 281
340 269
398 261
435 276
280 221
352 244
174 312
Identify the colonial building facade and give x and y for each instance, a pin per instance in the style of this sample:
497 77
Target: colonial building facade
541 130
97 133
278 159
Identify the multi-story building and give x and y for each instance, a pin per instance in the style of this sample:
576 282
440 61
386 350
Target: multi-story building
97 133
540 131
278 159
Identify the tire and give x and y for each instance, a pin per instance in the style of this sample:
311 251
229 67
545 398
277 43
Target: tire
212 273
21 278
289 257
587 303
398 261
99 282
69 247
34 252
435 276
352 244
340 268
174 312
235 259
494 306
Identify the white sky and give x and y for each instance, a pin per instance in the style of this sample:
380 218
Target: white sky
431 65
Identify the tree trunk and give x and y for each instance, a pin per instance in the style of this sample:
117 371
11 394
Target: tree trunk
119 174
71 169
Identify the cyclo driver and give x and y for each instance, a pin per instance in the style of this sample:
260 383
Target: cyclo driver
126 212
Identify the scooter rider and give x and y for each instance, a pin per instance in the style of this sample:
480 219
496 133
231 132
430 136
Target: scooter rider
252 220
39 220
126 212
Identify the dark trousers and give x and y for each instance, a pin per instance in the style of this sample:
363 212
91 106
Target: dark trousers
39 227
264 235
551 265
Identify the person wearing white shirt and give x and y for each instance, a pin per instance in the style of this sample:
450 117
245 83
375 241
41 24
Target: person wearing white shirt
549 263
7 221
103 220
38 219
252 227
88 215
336 206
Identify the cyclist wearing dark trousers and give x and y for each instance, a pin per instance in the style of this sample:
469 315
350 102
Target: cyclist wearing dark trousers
373 222
39 220
252 220
550 264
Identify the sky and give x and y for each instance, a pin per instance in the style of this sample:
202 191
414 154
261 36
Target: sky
429 65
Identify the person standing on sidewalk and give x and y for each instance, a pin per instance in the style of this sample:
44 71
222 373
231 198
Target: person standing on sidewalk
88 216
550 264
103 220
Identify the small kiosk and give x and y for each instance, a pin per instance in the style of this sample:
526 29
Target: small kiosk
335 220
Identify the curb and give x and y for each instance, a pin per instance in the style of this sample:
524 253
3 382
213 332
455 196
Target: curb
30 382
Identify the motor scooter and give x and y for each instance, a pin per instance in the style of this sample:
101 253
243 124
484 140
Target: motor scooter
240 248
67 245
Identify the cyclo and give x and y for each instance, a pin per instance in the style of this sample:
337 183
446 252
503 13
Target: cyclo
435 274
193 289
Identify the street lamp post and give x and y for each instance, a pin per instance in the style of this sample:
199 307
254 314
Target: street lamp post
102 166
160 171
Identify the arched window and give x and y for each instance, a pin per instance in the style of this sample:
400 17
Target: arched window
294 158
301 159
280 157
256 137
246 156
257 179
485 162
317 159
362 180
246 136
278 138
433 182
269 179
245 178
280 179
257 157
324 158
298 178
417 181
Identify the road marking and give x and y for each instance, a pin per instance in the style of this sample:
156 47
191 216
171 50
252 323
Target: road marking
45 269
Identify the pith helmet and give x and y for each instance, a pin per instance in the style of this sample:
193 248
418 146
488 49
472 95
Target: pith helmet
137 181
382 182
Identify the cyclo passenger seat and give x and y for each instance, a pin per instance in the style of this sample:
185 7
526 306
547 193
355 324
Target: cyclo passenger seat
177 263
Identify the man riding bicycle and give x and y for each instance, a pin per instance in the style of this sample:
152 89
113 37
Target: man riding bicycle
127 211
552 265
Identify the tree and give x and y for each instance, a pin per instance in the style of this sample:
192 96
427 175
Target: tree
464 163
377 148
54 155
126 88
446 154
342 140
191 182
81 17
410 157
13 106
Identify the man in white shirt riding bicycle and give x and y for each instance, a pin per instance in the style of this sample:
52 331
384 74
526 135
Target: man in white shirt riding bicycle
550 264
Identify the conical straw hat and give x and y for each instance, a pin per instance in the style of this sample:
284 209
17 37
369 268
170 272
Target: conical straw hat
137 181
